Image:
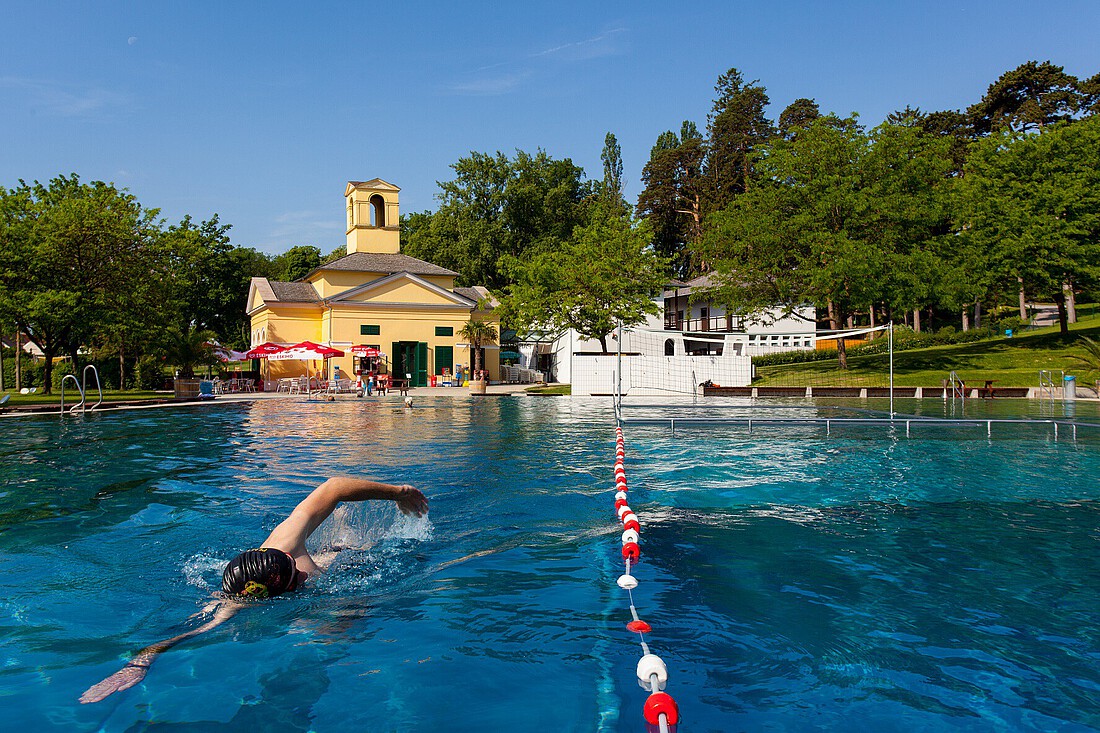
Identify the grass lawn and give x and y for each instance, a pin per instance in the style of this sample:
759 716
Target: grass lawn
1009 362
555 389
72 397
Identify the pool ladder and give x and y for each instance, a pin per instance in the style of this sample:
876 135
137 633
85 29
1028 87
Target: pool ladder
82 388
958 388
1046 384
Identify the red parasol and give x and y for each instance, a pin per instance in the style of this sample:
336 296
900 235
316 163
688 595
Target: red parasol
264 351
306 350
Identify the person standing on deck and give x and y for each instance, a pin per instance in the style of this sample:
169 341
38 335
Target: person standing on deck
280 565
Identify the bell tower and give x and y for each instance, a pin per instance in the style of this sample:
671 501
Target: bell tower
373 217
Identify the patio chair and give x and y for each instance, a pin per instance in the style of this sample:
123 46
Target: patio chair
4 401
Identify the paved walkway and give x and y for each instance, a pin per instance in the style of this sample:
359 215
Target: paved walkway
492 389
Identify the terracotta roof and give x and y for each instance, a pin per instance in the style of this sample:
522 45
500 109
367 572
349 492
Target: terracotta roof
384 263
296 292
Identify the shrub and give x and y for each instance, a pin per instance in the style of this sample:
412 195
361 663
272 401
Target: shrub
800 356
148 373
60 369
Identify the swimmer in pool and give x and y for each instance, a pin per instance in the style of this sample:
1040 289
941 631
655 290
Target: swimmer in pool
280 565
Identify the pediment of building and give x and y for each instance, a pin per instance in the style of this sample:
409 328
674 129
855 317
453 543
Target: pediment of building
401 288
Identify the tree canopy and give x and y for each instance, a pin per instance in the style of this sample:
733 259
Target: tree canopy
497 206
604 274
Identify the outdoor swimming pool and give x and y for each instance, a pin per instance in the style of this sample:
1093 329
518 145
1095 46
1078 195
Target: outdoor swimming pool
795 581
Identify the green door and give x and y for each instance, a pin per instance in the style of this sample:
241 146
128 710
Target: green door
411 357
397 361
444 359
420 373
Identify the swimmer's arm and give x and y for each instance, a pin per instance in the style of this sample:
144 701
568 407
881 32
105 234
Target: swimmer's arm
290 536
136 669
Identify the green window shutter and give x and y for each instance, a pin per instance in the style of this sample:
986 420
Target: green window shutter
444 331
444 359
370 329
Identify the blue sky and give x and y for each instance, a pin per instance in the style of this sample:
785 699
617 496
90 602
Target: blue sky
262 111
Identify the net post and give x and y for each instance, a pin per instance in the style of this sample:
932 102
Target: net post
890 331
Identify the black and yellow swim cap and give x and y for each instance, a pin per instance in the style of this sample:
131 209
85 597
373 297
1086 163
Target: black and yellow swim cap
260 573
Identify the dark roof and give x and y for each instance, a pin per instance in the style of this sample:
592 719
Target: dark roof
470 293
297 292
384 263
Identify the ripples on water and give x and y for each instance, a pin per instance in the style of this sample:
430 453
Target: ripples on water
796 581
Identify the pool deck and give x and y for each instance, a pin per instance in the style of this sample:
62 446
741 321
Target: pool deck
492 390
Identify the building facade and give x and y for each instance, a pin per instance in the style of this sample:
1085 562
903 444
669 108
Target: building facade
692 340
408 310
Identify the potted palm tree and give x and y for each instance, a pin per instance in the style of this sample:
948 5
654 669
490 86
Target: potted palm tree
477 334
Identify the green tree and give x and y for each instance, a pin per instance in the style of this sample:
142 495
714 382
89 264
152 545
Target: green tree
478 334
297 262
672 201
72 253
1029 97
497 206
604 275
905 176
189 347
1090 95
611 187
1029 208
210 278
796 116
737 126
802 235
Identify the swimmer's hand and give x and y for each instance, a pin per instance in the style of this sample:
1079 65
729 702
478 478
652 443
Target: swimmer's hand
123 679
411 501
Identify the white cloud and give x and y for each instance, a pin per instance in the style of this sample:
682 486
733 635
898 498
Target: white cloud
60 99
589 48
490 85
293 228
481 84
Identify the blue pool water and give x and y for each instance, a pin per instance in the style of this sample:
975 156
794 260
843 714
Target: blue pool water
795 580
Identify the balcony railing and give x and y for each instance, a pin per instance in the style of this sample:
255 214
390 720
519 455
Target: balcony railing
717 324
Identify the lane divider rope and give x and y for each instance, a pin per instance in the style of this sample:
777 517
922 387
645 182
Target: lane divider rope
660 711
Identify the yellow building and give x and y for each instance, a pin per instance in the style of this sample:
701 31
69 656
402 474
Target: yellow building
407 309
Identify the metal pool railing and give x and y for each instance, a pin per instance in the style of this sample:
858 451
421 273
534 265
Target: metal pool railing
829 422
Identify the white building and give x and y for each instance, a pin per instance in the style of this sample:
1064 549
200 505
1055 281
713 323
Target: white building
687 344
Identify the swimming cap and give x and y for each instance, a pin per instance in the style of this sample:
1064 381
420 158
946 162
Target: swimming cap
261 573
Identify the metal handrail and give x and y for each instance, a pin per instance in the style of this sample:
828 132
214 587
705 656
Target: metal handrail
84 385
715 324
828 422
1046 383
78 389
958 387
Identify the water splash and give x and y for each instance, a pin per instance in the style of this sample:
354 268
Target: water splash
362 526
204 571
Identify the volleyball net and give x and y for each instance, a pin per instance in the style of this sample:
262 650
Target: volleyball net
662 362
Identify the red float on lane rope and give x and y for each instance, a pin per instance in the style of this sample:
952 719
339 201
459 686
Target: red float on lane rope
640 627
631 551
661 702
